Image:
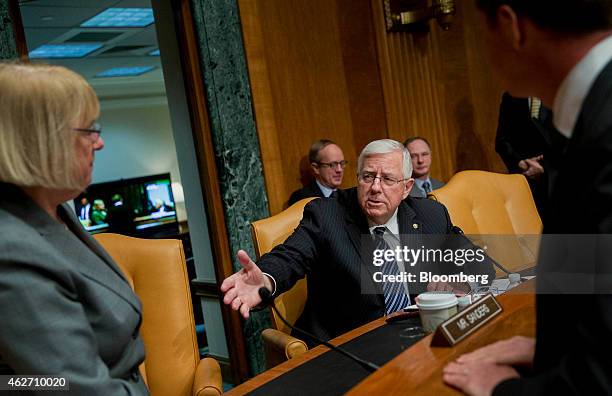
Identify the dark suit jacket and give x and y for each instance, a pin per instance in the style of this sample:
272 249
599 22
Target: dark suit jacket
327 246
310 190
66 307
574 331
417 192
520 136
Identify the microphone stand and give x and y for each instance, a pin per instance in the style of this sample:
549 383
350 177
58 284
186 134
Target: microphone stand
266 297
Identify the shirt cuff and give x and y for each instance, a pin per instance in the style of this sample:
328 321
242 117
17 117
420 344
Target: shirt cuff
273 282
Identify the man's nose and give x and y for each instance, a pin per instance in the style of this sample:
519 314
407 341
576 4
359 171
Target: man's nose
376 185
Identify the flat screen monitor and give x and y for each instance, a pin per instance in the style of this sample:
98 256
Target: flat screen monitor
141 206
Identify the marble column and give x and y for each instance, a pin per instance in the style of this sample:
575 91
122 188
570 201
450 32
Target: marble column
235 140
8 47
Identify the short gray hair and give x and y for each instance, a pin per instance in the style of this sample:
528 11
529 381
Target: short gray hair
384 146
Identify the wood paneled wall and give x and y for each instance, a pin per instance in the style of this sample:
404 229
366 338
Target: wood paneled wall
328 69
313 72
439 85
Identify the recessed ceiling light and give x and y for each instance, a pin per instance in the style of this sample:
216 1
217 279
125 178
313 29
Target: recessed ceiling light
154 52
64 50
46 18
125 71
121 17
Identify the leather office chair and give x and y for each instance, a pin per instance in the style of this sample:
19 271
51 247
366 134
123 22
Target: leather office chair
267 233
497 210
157 272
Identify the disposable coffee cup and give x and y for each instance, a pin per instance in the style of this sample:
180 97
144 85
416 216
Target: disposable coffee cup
435 308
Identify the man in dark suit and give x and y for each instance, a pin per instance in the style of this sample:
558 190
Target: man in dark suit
420 154
120 218
327 163
528 143
335 241
561 52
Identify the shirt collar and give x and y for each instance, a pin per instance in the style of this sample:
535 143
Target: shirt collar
419 182
577 84
391 224
325 190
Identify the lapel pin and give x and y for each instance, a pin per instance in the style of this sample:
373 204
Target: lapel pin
415 226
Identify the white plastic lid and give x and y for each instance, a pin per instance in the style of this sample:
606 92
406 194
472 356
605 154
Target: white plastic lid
436 300
514 277
464 301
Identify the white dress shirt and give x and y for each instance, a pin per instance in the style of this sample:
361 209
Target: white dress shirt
325 190
577 84
391 236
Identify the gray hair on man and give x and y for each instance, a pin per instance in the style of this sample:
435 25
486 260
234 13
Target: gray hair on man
384 146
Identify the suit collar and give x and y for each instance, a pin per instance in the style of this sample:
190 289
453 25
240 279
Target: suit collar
314 188
75 243
16 201
353 215
406 218
570 97
356 226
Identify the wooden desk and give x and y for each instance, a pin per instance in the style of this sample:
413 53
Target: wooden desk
418 370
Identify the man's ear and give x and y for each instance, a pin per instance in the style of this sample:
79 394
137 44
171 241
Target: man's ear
511 27
407 187
315 168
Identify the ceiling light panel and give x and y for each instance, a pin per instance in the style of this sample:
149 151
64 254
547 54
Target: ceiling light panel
121 17
125 71
64 50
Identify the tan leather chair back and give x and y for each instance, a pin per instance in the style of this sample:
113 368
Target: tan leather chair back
157 271
495 204
267 233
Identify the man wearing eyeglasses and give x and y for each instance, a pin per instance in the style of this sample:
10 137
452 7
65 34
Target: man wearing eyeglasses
420 154
327 163
332 245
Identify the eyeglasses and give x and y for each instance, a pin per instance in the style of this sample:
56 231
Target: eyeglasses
333 165
368 178
94 131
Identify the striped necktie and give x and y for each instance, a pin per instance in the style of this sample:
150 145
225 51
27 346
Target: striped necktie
427 187
395 295
534 107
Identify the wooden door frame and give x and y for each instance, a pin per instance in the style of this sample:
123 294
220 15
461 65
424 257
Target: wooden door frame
209 180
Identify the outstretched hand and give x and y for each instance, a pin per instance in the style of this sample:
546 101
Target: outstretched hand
242 289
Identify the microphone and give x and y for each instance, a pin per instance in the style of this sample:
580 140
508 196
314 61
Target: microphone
458 231
267 299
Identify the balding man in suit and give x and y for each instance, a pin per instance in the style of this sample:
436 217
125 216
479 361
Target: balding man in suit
420 154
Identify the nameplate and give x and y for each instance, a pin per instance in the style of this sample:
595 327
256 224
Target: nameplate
464 323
